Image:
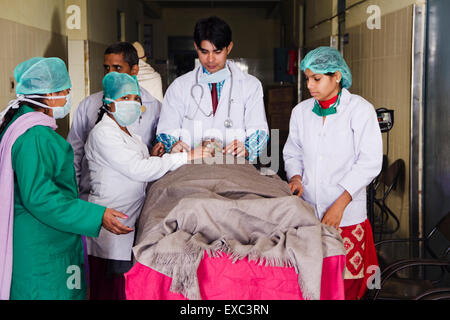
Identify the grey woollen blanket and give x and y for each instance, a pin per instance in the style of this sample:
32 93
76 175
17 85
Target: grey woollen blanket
231 209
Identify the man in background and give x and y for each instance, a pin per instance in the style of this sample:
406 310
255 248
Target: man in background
147 77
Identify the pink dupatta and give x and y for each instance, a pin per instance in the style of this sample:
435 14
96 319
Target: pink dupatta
15 130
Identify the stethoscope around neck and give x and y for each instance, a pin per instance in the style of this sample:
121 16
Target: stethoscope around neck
227 123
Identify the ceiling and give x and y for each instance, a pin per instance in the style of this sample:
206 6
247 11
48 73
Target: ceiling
153 8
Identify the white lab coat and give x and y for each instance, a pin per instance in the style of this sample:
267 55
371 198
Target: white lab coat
120 168
345 153
84 120
247 109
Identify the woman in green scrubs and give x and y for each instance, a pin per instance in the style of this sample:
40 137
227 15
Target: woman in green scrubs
49 218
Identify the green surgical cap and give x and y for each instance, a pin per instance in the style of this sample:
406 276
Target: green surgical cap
41 75
116 85
325 60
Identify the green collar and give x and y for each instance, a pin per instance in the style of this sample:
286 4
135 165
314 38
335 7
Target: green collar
321 112
25 109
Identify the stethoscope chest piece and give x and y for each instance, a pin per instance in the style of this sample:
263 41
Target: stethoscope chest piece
228 123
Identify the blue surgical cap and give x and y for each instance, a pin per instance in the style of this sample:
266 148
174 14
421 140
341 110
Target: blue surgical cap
41 75
116 85
325 60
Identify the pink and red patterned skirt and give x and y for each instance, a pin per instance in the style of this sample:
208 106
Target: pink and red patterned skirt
360 255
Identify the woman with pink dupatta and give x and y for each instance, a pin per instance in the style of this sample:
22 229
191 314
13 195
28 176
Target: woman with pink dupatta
41 217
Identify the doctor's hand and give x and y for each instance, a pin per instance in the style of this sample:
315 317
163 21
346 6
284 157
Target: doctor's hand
200 152
333 216
296 186
236 148
158 150
180 146
113 225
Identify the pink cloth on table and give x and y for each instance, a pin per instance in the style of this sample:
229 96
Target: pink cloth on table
221 279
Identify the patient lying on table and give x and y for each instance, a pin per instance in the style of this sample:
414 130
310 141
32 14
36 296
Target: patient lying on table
218 207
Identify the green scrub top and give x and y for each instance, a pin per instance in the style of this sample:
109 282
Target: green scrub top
49 218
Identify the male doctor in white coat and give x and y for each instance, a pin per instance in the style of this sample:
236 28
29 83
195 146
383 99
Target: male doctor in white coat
214 101
120 57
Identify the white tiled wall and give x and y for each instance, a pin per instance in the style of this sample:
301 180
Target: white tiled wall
20 42
380 61
78 71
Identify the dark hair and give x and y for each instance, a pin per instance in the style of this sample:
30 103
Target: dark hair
332 74
12 112
7 119
214 30
129 52
102 111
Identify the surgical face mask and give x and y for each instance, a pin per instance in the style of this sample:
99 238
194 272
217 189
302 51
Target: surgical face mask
216 77
62 112
58 112
127 112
